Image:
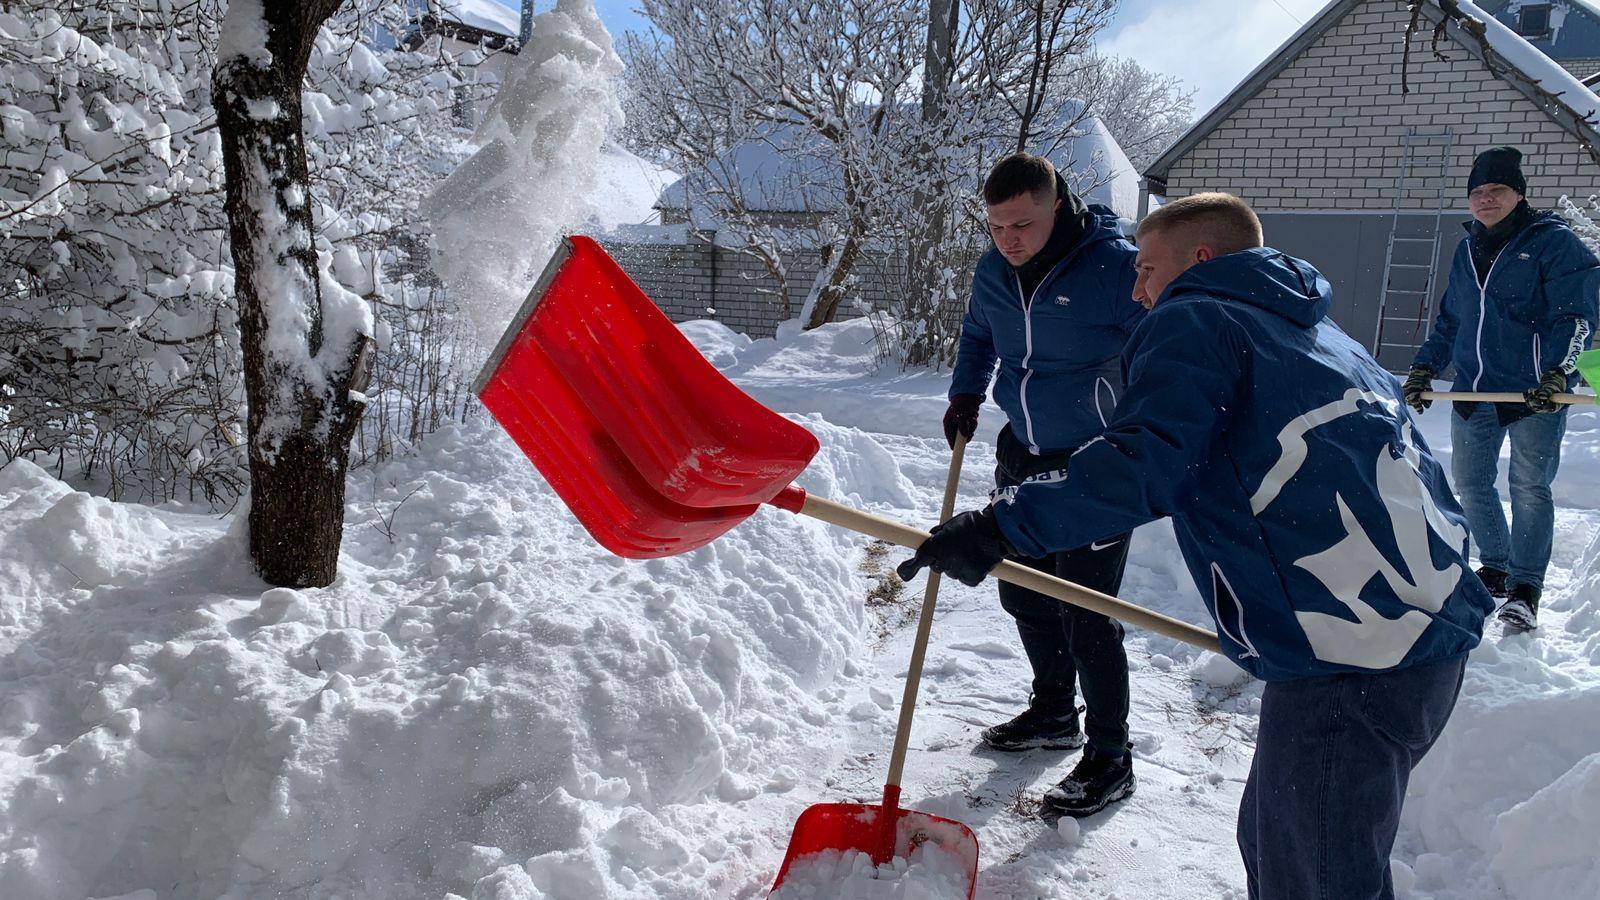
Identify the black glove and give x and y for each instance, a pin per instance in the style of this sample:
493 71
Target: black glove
962 416
1420 379
1554 382
965 548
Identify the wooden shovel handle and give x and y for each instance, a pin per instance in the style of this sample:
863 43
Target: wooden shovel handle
919 649
1506 397
1015 573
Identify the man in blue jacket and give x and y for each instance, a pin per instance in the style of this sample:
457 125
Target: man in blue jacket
1519 308
1050 304
1313 518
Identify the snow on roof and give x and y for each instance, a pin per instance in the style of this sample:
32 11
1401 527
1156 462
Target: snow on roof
484 15
786 169
1549 75
1098 168
781 168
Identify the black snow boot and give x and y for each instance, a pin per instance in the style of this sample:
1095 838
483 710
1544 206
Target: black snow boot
1522 610
1097 781
1493 579
1041 726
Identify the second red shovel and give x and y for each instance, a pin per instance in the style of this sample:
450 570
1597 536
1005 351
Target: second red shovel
886 831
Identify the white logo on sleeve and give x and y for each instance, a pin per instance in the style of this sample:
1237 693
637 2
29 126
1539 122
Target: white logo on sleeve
1348 566
1063 300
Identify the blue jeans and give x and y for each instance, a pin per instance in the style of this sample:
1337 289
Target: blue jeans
1333 756
1524 549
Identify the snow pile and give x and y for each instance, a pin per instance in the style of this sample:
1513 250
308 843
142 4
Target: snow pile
1508 801
930 873
831 371
485 702
498 216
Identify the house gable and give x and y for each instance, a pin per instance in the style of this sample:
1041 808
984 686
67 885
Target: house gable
1324 128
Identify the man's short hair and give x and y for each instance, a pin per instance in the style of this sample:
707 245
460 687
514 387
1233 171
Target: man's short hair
1221 221
1018 174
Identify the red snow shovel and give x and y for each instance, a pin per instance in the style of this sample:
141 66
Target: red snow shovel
887 831
657 453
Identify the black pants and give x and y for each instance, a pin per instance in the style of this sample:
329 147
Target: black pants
1070 647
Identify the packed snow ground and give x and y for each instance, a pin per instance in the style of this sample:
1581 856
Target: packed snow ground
488 704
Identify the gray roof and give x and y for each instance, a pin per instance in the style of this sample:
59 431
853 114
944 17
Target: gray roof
1309 34
788 169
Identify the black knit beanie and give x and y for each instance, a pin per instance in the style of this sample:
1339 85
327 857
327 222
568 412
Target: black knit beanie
1498 165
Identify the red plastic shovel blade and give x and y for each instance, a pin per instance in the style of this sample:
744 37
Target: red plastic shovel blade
652 448
592 476
854 826
692 434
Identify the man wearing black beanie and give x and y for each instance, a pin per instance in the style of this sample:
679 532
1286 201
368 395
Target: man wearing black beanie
1520 306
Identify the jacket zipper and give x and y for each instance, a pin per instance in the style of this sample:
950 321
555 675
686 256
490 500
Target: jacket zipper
1537 375
1483 295
1027 337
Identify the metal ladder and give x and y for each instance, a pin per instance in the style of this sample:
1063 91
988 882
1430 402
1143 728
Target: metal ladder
1423 172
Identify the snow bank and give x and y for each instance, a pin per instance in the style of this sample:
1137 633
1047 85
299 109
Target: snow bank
831 371
485 703
1509 798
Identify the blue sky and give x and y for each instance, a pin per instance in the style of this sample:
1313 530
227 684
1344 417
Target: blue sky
1210 44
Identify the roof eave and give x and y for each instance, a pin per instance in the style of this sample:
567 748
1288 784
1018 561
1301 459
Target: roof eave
1587 133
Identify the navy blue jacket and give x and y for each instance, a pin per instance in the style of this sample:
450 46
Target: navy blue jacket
1535 313
1060 366
1314 519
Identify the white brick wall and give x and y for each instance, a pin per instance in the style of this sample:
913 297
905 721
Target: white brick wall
1326 132
1582 68
688 280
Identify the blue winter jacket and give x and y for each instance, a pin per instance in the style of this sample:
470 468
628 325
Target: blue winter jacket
1060 368
1536 311
1314 519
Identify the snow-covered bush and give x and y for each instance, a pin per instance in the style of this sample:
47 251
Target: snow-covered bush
119 347
118 343
1586 224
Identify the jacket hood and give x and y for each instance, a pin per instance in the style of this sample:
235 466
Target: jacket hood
1106 225
1262 277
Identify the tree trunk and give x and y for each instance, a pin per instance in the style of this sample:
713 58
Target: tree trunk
938 57
925 269
835 277
301 417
